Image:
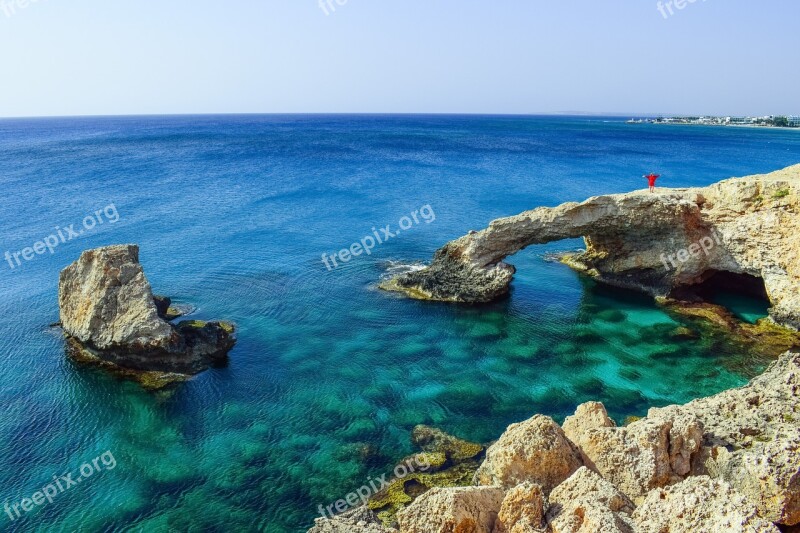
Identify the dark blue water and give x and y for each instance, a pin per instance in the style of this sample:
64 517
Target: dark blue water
233 215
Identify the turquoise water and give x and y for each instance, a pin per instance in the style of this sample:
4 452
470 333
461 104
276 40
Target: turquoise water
330 375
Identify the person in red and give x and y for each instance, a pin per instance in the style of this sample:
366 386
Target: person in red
651 180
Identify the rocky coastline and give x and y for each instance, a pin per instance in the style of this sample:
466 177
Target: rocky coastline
728 462
112 320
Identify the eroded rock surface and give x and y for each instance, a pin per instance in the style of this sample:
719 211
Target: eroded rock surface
649 453
587 503
522 510
742 225
700 505
111 317
535 451
451 510
752 438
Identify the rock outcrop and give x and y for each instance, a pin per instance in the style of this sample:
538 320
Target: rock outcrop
534 451
462 509
522 510
112 319
656 243
729 462
751 439
699 504
652 452
587 503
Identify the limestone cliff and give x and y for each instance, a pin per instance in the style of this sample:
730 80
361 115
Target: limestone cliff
112 319
654 242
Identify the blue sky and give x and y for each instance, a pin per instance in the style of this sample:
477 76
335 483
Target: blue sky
77 57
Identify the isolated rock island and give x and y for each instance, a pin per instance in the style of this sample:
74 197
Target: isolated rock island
111 319
743 231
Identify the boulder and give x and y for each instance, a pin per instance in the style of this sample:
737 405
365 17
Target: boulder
111 317
649 453
535 451
699 504
453 510
522 510
587 416
586 503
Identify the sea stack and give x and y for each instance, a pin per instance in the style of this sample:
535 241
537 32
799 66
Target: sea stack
111 318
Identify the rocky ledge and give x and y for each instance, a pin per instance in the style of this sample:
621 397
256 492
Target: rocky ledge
111 319
729 462
659 243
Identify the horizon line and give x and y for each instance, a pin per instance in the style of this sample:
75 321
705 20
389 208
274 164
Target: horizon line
544 114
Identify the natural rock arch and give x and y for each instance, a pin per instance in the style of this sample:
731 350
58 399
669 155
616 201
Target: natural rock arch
650 242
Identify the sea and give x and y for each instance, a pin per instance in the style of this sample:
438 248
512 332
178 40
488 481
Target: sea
237 218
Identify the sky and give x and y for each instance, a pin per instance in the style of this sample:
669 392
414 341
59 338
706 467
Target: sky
105 57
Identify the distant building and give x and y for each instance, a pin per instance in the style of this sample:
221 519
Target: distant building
794 121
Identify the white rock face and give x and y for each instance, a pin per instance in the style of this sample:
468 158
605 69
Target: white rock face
535 451
586 503
453 510
745 226
106 301
699 505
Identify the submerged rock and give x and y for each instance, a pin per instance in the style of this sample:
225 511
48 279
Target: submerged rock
445 461
112 319
650 242
359 520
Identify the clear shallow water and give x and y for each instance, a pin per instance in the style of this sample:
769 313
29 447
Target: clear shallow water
330 375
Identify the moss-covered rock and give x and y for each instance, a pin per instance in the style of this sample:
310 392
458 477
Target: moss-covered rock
764 338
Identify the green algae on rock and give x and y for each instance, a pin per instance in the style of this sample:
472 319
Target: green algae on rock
450 461
112 320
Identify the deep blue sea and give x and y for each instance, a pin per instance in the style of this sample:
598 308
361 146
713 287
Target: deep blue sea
233 214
